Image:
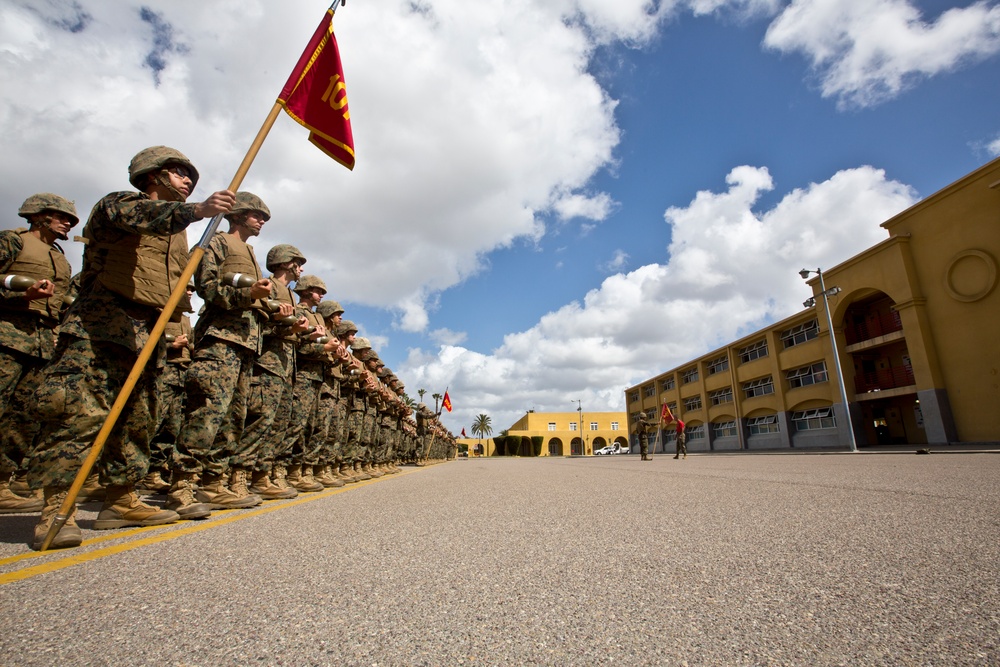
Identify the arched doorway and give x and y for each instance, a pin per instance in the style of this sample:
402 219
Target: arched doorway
555 447
576 447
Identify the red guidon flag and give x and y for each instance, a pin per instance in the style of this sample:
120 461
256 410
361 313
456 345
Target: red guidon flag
463 433
666 416
315 97
446 402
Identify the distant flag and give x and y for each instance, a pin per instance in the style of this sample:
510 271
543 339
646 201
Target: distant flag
446 402
315 97
666 416
463 433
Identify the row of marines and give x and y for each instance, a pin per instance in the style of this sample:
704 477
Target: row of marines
262 399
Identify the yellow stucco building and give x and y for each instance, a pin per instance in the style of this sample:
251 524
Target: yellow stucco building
916 321
561 432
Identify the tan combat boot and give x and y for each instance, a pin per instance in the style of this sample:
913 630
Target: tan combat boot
359 472
238 484
69 535
371 470
214 493
122 508
345 473
19 485
180 498
11 503
279 477
301 478
325 477
92 490
153 482
261 484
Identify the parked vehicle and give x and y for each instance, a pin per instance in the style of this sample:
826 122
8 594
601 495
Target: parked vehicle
604 451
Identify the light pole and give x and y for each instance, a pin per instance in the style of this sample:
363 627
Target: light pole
809 303
579 408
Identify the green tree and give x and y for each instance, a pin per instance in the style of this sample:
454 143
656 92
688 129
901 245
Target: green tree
482 426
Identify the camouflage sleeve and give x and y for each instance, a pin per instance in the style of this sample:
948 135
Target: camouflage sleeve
135 213
208 280
10 247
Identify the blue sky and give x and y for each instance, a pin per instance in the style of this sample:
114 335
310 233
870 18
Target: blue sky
553 199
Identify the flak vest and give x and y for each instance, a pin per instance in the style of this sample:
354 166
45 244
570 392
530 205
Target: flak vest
39 260
240 259
140 267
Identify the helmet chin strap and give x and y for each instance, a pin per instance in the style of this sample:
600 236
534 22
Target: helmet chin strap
45 220
162 179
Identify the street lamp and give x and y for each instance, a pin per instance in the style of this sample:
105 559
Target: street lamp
809 303
579 408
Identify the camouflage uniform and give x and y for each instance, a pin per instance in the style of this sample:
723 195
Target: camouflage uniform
643 429
98 344
227 340
170 385
299 443
27 340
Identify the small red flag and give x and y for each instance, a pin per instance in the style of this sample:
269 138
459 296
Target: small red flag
446 402
315 97
463 433
666 416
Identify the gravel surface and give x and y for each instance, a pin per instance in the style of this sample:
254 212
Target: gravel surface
838 559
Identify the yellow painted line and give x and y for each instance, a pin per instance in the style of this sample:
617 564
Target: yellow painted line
163 535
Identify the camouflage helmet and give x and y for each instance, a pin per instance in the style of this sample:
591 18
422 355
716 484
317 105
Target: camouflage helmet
283 253
346 327
248 201
309 282
155 158
329 309
46 201
360 344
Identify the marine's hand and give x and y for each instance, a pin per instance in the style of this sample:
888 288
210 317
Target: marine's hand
42 289
261 289
218 202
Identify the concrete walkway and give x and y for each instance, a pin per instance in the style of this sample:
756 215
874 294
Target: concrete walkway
840 559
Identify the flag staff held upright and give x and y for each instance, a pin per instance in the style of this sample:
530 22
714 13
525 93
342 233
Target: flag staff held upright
182 281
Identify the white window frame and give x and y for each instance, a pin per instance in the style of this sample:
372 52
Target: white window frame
764 384
814 420
717 365
800 334
754 351
552 426
692 403
721 396
807 375
724 429
614 426
763 425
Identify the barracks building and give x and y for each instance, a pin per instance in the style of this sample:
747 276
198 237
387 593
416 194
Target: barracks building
916 329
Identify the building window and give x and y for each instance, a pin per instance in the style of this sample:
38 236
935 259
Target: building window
758 387
673 407
722 396
696 432
693 403
755 351
762 425
668 384
649 391
593 426
689 376
724 429
810 420
800 334
552 426
633 397
718 365
572 426
807 375
669 435
614 426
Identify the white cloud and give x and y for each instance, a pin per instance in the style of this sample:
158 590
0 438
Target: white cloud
618 261
445 336
994 147
866 51
729 270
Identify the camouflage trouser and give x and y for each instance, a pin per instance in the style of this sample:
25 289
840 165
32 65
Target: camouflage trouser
383 444
18 427
327 425
354 447
170 394
268 411
682 447
644 444
217 383
298 444
71 403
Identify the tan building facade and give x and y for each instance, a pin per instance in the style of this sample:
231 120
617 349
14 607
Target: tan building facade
916 319
573 433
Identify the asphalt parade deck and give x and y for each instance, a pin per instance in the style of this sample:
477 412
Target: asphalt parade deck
837 559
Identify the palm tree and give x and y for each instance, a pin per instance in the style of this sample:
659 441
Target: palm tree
436 397
421 392
482 426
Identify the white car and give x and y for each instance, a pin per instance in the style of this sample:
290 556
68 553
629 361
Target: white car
603 451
